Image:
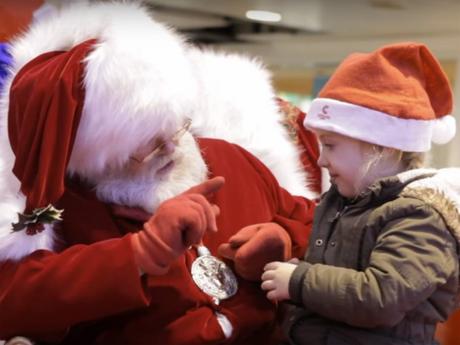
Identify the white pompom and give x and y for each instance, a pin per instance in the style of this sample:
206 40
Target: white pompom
444 130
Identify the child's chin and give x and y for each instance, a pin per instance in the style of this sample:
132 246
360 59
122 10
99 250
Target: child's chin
346 192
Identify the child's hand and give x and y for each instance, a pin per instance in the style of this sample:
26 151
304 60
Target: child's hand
276 280
294 261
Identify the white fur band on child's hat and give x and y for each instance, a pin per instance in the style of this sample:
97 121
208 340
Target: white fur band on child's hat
397 96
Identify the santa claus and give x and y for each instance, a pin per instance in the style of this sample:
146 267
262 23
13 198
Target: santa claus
100 110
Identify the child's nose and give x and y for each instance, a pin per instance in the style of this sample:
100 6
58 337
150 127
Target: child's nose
322 162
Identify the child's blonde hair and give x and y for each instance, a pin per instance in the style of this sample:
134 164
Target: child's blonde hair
400 160
412 160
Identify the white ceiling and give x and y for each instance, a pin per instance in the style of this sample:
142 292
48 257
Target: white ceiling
331 29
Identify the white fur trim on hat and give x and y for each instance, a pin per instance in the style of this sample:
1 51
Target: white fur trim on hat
444 130
369 125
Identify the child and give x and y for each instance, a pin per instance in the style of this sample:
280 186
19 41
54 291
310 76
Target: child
382 263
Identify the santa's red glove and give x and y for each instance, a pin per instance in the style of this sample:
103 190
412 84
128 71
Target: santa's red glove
254 246
177 224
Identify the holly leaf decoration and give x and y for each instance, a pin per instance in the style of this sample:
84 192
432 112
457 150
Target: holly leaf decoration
43 215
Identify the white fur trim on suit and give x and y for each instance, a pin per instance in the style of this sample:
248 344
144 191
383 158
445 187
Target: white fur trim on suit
237 104
370 125
14 246
137 70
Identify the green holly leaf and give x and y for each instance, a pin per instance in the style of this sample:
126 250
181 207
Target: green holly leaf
42 215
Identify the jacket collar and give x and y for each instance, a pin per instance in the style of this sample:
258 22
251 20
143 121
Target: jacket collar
386 188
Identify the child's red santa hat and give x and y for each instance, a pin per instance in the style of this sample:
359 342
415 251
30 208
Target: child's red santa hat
397 96
89 86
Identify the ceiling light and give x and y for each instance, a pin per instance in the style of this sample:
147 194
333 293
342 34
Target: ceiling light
387 4
263 16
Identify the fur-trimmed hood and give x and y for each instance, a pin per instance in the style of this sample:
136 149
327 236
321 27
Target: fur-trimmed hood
440 189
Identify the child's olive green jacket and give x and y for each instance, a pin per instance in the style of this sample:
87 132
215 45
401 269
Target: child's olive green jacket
383 268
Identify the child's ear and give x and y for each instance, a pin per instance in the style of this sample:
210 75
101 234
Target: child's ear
394 160
392 153
372 152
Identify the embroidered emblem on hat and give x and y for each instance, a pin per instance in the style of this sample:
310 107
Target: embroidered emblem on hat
323 115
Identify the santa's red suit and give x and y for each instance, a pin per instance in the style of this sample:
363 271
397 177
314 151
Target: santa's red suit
101 298
72 130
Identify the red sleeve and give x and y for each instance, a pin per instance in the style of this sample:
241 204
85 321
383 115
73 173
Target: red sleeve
309 148
293 213
46 293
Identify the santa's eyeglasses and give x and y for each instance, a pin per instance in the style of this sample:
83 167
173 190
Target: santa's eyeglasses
142 158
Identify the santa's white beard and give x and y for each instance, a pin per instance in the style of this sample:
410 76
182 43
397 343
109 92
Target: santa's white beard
146 187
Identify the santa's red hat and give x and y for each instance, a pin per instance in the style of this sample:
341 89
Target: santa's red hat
397 96
89 86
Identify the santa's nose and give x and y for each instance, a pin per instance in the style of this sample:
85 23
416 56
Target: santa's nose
168 147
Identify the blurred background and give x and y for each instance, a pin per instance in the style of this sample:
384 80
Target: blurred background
306 39
301 42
